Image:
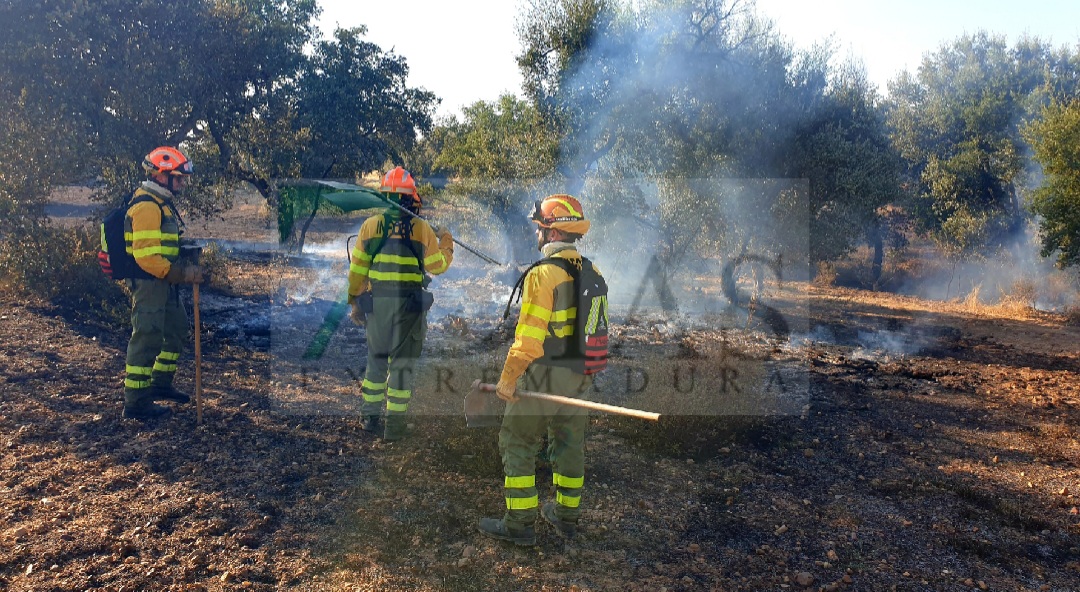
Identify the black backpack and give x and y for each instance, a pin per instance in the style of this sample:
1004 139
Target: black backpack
116 263
587 353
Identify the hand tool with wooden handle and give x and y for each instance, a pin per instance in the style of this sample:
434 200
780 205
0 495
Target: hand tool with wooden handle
482 409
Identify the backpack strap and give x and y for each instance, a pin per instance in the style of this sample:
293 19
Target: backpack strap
179 219
387 227
406 232
145 197
138 199
519 287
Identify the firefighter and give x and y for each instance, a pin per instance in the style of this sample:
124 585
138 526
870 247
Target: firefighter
388 276
159 325
545 325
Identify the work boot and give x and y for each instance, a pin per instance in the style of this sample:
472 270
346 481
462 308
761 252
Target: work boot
564 527
148 410
394 428
167 392
372 423
497 528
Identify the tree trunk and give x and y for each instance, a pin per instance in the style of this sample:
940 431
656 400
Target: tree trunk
877 241
314 208
952 276
1016 224
307 223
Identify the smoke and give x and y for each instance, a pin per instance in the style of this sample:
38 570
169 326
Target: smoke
819 334
873 344
675 121
1015 275
472 290
885 344
702 93
691 105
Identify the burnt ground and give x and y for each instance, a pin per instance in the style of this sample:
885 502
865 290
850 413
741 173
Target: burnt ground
915 446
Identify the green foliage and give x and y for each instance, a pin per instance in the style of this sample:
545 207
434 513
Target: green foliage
652 103
958 125
963 234
500 157
124 77
296 202
843 150
214 262
87 89
573 55
357 108
27 171
501 140
1055 140
61 266
231 80
345 110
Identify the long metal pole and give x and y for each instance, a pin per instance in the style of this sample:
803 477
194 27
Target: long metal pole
467 247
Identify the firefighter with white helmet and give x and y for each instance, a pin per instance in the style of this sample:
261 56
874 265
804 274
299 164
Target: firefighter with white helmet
152 229
390 264
540 359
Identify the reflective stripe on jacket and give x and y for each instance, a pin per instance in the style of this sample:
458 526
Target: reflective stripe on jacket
395 266
546 322
152 230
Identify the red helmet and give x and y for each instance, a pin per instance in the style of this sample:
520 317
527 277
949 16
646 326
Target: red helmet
168 161
399 181
561 212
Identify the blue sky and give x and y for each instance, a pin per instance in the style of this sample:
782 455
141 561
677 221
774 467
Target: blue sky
464 50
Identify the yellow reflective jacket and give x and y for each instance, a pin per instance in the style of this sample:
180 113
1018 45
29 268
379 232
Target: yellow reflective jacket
152 230
395 265
548 313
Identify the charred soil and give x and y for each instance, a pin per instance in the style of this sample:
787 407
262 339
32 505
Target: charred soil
934 448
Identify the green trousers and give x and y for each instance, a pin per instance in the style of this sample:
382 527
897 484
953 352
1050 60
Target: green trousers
395 339
524 423
159 330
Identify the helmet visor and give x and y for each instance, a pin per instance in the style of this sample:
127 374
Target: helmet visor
185 168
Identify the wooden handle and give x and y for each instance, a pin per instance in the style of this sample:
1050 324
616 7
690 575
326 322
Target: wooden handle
198 357
581 403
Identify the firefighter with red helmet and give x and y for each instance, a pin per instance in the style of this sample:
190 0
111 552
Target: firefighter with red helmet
549 307
390 266
159 325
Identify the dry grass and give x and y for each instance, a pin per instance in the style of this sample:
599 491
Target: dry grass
972 302
826 275
1072 316
1022 295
